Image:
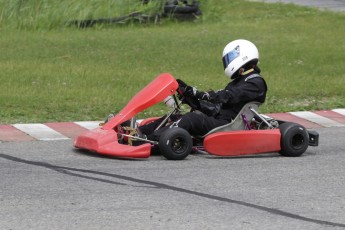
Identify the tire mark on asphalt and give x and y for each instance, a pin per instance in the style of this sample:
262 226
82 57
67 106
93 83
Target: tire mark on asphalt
65 170
151 184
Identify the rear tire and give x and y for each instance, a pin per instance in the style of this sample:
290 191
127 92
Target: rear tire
175 144
294 139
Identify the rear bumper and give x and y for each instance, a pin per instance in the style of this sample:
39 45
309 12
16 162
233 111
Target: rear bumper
313 138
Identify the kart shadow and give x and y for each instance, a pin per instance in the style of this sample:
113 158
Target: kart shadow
87 153
252 156
83 152
257 156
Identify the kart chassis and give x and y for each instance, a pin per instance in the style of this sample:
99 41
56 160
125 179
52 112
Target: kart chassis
249 133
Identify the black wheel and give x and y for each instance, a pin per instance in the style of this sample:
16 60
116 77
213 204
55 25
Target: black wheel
175 144
294 139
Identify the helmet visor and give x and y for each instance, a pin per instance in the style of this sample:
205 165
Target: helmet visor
229 57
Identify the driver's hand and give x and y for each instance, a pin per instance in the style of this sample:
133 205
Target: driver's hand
190 91
185 89
181 86
181 83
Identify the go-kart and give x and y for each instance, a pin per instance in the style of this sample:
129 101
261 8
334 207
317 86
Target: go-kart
249 133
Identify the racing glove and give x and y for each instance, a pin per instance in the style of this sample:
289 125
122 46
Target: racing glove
206 96
187 90
181 83
192 91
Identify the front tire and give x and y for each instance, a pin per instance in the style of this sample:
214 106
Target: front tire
175 144
294 139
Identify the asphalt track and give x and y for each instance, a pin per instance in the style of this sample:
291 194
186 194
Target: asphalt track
333 5
47 184
50 185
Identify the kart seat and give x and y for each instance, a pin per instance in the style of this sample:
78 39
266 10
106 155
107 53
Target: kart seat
241 121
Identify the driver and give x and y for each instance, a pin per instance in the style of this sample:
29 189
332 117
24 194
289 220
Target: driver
217 108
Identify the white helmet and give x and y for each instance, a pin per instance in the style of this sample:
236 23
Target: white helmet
238 53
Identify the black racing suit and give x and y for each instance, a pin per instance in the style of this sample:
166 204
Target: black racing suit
243 89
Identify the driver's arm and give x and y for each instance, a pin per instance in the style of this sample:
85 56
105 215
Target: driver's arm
250 90
247 91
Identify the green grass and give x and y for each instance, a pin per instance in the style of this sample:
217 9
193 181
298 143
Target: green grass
50 72
50 14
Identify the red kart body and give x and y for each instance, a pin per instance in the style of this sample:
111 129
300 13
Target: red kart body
104 140
241 142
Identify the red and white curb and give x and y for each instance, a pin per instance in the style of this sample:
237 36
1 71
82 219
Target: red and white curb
45 132
69 130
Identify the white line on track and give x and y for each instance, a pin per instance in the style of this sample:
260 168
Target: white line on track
40 132
341 111
88 124
313 117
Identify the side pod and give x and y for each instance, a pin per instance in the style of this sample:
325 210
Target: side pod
236 143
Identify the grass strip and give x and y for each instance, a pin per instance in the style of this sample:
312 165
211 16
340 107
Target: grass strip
58 73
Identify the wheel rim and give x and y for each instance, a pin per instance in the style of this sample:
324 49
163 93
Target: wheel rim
297 141
179 145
